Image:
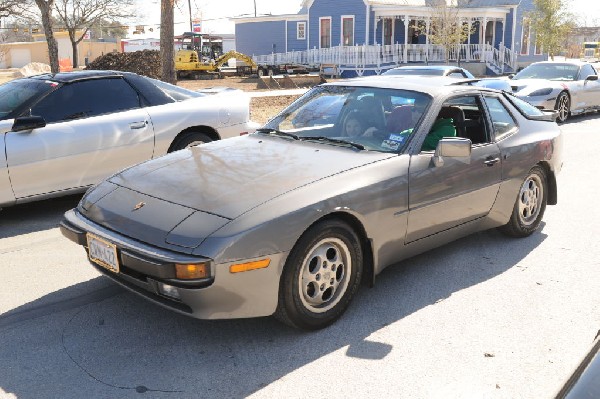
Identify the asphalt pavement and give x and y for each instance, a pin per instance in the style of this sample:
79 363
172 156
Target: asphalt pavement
483 317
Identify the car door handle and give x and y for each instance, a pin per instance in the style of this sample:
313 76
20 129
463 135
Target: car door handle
138 125
491 161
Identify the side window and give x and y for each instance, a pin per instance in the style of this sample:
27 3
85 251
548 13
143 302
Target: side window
456 75
503 122
458 117
87 98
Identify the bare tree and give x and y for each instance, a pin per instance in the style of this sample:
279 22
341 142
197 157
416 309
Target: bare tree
167 48
45 7
552 23
445 27
106 28
81 15
11 8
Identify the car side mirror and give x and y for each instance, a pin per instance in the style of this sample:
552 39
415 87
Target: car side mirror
592 77
452 147
28 123
512 75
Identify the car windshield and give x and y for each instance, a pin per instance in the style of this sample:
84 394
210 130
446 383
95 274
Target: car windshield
175 92
366 118
18 93
549 71
418 71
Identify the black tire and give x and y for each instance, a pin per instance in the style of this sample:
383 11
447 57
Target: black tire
563 106
189 139
270 72
260 72
320 277
530 205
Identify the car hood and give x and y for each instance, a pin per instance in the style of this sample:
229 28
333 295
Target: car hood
526 86
185 196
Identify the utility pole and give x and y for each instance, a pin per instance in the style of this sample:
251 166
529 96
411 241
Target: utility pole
190 10
254 8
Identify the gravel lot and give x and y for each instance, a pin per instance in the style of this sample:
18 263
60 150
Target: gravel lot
261 108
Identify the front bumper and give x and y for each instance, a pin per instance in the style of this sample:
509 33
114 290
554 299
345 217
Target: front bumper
144 268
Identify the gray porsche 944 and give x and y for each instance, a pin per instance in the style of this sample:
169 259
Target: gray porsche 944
352 177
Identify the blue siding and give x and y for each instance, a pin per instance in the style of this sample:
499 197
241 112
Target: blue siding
498 34
259 38
475 35
293 43
399 31
526 6
335 9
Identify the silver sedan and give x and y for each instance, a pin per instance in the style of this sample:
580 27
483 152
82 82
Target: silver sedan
290 220
61 133
569 87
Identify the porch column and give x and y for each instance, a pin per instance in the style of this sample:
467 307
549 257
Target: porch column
375 29
504 31
367 24
427 27
405 55
470 25
484 47
485 21
503 46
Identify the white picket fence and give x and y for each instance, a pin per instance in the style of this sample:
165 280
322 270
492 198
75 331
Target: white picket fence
379 58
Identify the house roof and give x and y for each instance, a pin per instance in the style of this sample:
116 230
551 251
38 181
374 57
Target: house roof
488 3
423 3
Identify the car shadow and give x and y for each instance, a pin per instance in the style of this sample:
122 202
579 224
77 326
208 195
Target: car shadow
108 340
35 216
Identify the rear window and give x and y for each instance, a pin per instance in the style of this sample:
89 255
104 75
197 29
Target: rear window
524 107
175 92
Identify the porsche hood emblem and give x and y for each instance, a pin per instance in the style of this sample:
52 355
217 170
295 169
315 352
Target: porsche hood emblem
139 205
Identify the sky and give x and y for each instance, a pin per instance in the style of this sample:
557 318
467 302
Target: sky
215 13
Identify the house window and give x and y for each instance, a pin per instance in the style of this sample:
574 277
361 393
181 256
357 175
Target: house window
347 30
388 31
301 30
325 32
525 37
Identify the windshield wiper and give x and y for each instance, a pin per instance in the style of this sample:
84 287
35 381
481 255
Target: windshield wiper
331 140
278 133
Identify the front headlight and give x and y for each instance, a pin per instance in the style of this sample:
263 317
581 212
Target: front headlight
540 92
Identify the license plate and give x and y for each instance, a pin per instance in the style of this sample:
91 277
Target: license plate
103 253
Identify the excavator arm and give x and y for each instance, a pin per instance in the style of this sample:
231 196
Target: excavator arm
219 62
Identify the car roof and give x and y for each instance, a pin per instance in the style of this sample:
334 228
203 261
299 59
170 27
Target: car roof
429 67
432 85
573 62
65 77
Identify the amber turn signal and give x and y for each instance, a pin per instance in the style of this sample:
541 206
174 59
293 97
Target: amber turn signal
244 267
192 271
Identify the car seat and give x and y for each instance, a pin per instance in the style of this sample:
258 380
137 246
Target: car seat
400 119
458 118
372 108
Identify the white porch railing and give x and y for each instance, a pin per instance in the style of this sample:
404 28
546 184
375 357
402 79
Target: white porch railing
378 57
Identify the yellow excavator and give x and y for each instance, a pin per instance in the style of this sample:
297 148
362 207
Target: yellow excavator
200 56
189 65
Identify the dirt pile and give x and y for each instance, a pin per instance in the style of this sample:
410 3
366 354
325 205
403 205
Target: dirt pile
144 62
